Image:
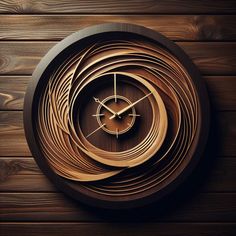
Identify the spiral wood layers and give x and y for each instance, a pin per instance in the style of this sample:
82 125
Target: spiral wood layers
137 171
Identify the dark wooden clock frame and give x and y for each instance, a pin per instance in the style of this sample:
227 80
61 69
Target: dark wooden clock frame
40 78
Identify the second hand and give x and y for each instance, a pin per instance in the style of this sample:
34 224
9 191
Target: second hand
95 130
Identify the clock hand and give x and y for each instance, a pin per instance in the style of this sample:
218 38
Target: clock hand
97 115
134 115
115 94
117 133
95 130
108 108
128 107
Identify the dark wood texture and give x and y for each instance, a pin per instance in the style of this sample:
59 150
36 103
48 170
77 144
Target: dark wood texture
127 229
202 207
29 203
12 92
21 174
123 6
218 58
175 27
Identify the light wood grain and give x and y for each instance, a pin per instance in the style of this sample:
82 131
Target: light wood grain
175 27
211 58
203 207
112 6
222 92
115 229
22 175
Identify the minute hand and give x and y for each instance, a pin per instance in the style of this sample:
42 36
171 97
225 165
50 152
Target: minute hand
128 107
108 108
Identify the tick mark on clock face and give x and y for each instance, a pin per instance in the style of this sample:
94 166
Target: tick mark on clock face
115 112
111 106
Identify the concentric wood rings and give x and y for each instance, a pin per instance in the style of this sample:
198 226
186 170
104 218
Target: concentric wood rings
179 111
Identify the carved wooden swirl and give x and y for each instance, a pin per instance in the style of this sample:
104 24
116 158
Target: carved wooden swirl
138 171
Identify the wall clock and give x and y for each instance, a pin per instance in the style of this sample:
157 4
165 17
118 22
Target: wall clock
116 115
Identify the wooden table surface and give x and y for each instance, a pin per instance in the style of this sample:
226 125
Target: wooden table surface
29 204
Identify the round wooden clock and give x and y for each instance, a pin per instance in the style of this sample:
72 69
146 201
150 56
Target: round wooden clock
116 115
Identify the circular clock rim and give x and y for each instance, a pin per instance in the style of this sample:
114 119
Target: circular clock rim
99 119
197 147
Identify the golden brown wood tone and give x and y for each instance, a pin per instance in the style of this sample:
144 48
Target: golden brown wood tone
74 158
175 27
211 212
123 6
218 58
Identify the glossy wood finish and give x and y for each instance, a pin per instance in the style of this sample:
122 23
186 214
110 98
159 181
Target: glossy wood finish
211 214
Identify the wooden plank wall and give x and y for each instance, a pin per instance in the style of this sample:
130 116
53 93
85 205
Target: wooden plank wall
29 204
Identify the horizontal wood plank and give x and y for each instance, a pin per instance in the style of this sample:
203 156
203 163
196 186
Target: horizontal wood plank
12 137
12 92
175 27
214 58
115 229
23 175
13 142
113 6
225 133
218 58
222 92
203 207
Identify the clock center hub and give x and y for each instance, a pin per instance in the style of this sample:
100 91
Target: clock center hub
121 123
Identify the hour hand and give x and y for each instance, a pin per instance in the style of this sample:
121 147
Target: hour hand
105 106
130 106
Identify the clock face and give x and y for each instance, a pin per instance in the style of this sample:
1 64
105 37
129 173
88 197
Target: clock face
119 111
113 115
119 116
